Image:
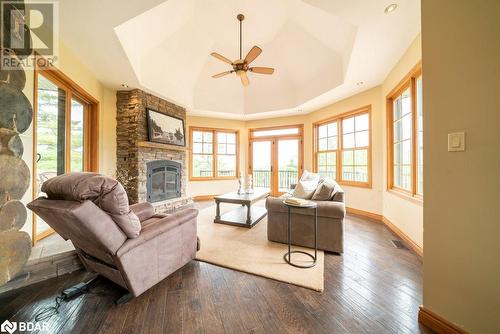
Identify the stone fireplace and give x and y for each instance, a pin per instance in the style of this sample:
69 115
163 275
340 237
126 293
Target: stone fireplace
150 172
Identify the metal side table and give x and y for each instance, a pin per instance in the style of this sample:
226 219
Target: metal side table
287 256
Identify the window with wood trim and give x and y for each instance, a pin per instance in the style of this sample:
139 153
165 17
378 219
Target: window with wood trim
214 154
405 136
342 148
65 133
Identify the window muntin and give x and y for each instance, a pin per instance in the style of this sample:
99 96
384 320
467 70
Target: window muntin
343 148
327 150
214 154
355 141
405 136
226 154
420 137
402 140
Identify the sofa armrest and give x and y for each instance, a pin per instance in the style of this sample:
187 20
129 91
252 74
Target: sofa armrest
331 209
275 204
143 210
163 225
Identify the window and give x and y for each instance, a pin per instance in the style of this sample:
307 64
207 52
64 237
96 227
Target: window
342 148
214 154
65 133
405 136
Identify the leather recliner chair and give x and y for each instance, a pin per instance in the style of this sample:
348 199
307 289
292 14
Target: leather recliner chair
130 245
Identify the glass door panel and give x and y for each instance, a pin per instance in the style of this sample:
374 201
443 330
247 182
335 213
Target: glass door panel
262 164
77 136
50 139
288 163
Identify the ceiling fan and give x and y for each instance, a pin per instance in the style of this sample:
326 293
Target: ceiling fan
241 66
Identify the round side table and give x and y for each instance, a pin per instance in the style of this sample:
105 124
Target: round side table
287 256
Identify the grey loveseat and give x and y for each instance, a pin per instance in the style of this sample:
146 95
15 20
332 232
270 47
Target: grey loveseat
330 223
130 245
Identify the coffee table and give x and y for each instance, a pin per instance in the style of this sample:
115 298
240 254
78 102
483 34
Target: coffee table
239 216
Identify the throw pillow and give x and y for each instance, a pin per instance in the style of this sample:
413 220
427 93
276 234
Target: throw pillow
306 186
325 190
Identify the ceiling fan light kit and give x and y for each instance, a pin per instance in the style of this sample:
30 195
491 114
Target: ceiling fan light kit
241 66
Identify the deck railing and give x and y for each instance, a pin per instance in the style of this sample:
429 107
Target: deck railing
262 179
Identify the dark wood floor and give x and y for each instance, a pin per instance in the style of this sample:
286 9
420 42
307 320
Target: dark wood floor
372 288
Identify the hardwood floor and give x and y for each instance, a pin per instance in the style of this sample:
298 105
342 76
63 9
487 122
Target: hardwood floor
372 288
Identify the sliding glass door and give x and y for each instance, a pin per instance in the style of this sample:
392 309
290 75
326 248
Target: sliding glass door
61 133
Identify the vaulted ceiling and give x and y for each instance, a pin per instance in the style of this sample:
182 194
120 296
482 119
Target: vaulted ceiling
322 50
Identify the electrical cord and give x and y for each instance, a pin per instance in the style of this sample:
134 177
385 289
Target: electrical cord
48 312
65 296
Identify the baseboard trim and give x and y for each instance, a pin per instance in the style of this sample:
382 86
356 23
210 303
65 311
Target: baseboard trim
413 246
437 323
394 229
203 198
366 214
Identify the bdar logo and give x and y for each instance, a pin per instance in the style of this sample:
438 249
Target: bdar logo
9 327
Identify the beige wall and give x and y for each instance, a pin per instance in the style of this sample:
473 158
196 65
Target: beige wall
70 65
359 198
461 61
405 214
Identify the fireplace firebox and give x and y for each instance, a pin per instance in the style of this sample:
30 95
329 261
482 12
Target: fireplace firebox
163 180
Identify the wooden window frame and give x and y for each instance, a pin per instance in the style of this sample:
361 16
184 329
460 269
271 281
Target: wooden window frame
91 132
214 132
340 148
409 81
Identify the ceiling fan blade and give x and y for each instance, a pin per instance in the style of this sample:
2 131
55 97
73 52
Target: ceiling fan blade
262 70
244 79
252 54
221 74
221 57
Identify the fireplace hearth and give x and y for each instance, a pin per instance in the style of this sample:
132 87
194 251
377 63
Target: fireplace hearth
163 180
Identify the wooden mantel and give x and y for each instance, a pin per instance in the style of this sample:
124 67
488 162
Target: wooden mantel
161 146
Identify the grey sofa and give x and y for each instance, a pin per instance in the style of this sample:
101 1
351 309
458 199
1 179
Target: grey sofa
130 245
330 223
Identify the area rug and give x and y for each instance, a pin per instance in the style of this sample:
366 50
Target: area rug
248 250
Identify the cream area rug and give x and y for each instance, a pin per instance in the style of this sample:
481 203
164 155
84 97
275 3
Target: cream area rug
248 250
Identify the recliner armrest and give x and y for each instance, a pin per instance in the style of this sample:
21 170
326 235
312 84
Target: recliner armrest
162 225
143 210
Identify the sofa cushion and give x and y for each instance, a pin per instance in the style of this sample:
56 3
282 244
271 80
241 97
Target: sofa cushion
306 186
107 193
329 209
325 190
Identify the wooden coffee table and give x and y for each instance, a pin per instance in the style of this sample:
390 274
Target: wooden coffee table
239 216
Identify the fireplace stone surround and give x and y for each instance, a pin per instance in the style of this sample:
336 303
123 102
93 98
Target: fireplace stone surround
134 150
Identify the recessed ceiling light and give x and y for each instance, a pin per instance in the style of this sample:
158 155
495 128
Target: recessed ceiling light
124 85
389 9
359 83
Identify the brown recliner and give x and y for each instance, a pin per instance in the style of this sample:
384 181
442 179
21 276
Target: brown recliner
130 245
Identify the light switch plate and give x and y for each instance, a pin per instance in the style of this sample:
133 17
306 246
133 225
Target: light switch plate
456 142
